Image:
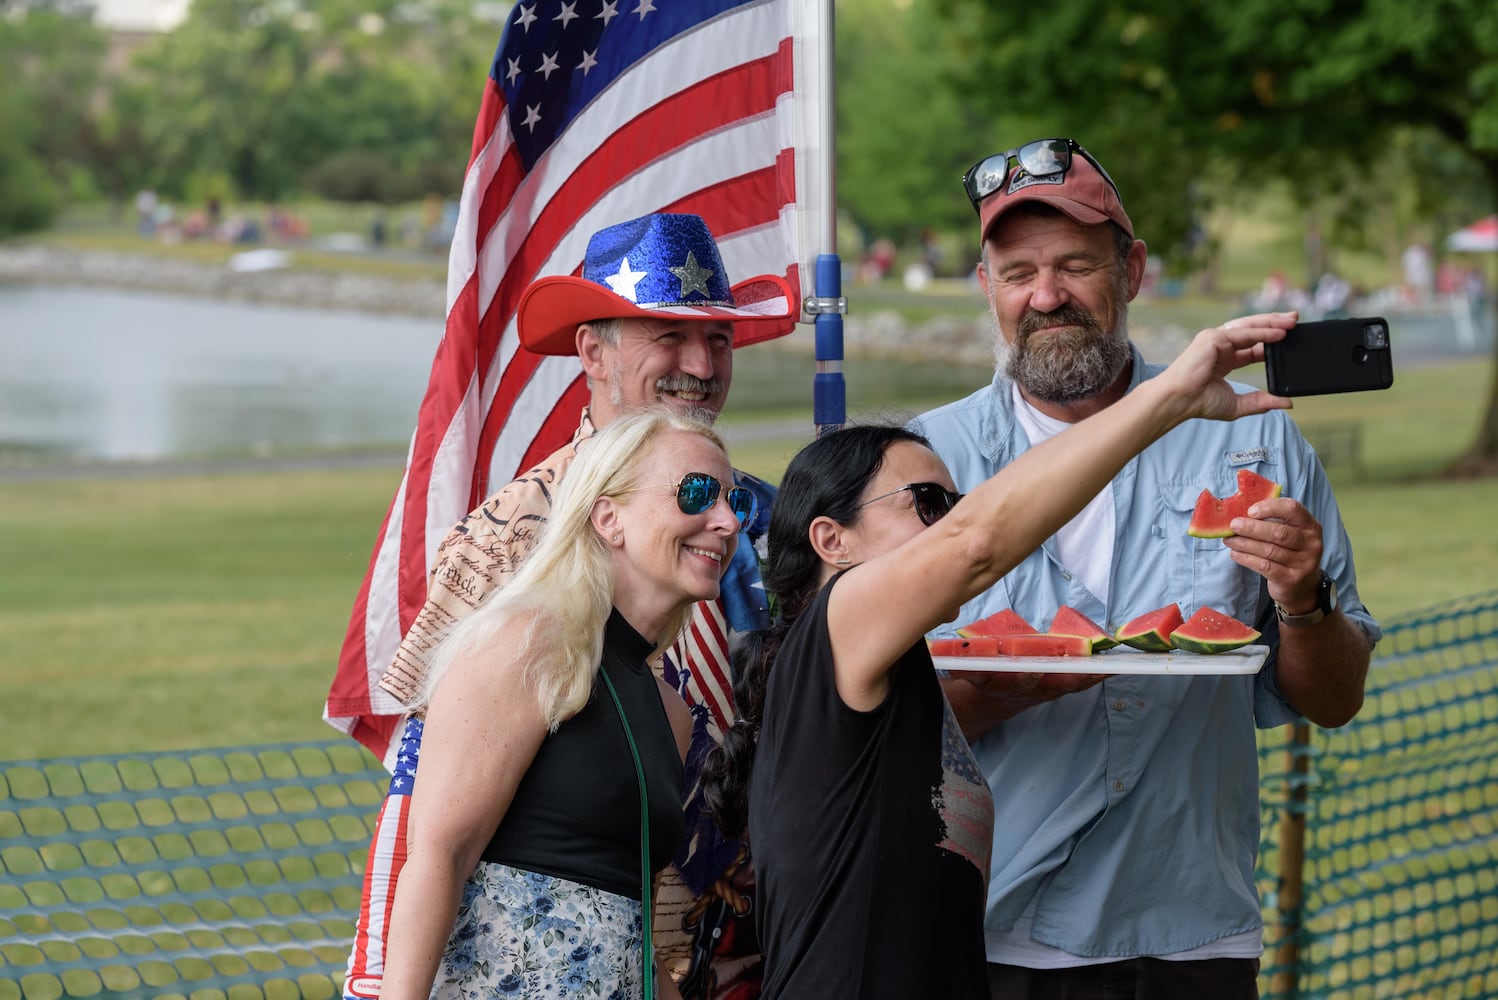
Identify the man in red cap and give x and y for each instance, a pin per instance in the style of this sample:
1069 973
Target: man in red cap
654 321
1127 804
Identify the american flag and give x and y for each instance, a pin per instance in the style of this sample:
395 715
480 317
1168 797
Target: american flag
387 850
595 111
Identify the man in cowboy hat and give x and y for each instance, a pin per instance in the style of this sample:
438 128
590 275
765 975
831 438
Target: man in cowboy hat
654 321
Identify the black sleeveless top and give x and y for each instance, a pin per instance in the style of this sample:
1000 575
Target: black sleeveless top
576 813
871 833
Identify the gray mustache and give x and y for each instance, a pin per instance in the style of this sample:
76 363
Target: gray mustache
1069 314
689 383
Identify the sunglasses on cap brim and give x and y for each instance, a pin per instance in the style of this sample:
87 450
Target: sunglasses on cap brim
1041 158
932 501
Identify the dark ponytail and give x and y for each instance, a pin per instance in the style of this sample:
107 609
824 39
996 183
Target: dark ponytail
824 479
725 772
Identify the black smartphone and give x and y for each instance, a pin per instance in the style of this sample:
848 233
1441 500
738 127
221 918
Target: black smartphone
1331 355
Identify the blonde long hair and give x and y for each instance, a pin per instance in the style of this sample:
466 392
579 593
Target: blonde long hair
564 592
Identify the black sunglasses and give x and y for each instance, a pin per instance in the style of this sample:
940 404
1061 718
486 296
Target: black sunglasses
1041 158
698 491
932 500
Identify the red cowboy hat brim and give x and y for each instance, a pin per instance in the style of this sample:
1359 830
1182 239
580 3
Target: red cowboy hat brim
552 307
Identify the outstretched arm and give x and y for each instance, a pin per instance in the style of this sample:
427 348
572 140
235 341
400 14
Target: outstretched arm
1011 514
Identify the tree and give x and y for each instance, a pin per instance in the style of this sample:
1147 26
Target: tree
223 91
49 59
265 91
28 198
904 133
1303 89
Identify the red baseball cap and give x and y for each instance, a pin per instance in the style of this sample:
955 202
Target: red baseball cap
1081 190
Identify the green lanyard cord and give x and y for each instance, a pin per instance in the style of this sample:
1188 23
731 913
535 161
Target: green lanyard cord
647 946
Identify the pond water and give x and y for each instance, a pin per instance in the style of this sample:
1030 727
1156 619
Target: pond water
120 376
116 375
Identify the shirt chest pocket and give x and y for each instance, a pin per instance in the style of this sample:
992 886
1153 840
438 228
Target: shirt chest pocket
1201 571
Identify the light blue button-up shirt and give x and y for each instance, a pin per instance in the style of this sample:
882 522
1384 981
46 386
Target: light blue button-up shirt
1129 812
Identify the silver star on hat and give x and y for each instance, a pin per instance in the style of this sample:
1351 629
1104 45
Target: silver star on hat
694 277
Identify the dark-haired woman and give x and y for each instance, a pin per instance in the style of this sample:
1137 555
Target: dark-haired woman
869 818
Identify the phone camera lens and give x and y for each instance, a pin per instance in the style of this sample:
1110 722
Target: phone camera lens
1375 336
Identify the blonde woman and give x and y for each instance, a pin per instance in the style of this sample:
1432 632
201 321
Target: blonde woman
543 722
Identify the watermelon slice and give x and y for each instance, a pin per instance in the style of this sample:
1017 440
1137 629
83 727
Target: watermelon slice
1070 621
1004 622
1043 644
1017 644
987 645
1211 631
1151 631
1212 516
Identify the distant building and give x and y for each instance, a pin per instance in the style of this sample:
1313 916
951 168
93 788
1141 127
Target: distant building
132 23
140 16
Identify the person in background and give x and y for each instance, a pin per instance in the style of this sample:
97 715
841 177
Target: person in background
549 740
1124 853
654 321
1419 272
869 817
145 211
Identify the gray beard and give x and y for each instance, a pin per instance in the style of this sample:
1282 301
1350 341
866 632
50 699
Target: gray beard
703 413
1066 367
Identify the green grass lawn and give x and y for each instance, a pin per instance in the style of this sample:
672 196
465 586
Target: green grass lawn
208 610
96 227
384 264
178 612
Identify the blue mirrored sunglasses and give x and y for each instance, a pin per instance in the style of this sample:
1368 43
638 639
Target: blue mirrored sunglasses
698 491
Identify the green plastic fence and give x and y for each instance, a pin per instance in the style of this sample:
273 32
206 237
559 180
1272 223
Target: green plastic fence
1401 824
235 874
230 874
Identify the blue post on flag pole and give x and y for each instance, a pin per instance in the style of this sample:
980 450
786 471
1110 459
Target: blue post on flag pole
829 393
826 305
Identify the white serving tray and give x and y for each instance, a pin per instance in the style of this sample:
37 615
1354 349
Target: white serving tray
1118 660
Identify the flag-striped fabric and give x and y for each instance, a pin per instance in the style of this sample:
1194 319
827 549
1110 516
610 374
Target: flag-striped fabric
595 111
704 645
387 854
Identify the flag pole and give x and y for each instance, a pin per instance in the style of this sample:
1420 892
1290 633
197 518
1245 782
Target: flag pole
827 305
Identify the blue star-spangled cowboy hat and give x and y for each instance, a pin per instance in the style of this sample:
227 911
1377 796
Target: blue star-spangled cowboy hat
664 266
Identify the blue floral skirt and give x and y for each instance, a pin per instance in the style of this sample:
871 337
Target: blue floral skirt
522 934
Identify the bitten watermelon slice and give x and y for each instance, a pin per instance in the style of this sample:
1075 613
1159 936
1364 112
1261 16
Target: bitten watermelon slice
1211 631
1212 516
1151 632
986 645
1004 622
1070 621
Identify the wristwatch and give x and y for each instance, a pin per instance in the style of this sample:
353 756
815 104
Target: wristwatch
1326 603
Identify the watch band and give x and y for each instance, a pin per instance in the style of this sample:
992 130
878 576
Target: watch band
1326 603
